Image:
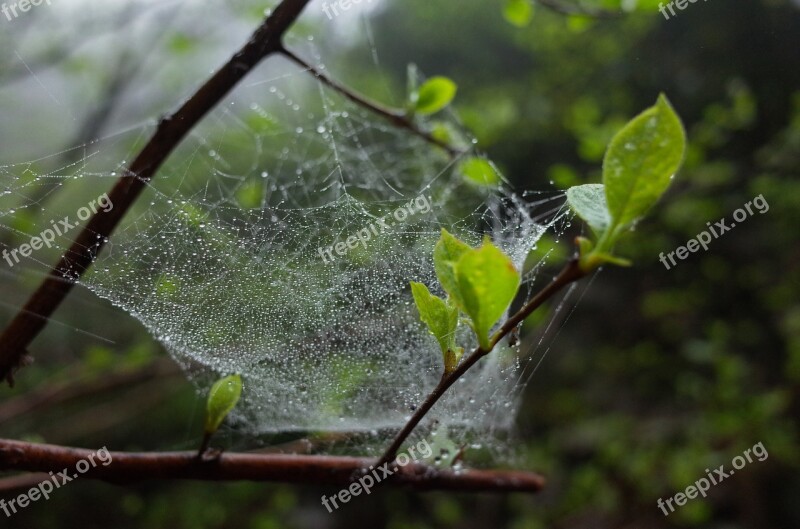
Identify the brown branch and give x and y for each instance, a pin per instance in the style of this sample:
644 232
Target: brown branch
396 117
32 318
323 470
571 272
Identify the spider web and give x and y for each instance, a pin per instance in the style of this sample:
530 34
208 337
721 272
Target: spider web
223 260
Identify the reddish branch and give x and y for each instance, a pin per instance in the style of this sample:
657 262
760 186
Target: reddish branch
323 470
171 130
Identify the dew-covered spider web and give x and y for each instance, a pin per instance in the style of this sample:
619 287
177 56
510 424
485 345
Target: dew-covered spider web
279 241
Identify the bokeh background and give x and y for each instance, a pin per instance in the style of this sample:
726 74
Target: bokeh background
657 375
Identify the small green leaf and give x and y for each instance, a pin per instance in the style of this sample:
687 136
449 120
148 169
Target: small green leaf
222 399
451 359
479 171
589 203
442 132
487 282
441 318
584 245
434 94
446 254
641 161
518 12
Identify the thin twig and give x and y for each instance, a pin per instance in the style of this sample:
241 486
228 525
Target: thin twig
570 273
125 467
396 117
32 318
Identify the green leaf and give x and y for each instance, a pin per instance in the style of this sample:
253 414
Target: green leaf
487 283
452 357
479 171
434 94
446 254
641 161
589 203
442 320
222 399
442 132
518 12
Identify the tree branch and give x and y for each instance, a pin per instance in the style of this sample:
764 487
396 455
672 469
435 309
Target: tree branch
569 274
324 470
394 116
30 320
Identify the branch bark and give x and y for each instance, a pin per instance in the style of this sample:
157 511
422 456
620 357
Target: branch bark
127 468
171 130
